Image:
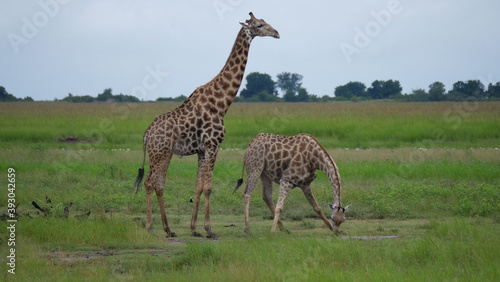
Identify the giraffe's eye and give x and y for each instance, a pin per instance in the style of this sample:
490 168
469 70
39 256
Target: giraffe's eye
260 26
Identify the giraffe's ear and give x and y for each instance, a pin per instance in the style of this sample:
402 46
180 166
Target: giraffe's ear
346 208
331 206
244 24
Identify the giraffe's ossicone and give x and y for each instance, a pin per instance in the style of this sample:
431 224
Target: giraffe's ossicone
197 127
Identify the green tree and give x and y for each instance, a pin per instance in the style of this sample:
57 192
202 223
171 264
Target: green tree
419 95
302 96
180 98
437 91
289 82
494 90
376 90
105 95
126 98
78 99
68 98
470 88
5 96
290 96
475 88
256 83
381 89
392 89
351 89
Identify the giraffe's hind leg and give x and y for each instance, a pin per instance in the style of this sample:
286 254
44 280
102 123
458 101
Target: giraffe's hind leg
149 207
206 164
255 163
252 177
156 182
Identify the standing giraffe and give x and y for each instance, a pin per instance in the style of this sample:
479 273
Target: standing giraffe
290 162
197 127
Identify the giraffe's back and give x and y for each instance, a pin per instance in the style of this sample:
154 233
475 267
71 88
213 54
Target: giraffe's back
289 157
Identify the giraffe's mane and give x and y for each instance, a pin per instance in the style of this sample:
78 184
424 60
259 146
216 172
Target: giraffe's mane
335 169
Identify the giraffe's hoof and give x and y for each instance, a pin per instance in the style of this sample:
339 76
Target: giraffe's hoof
196 234
171 235
211 236
339 233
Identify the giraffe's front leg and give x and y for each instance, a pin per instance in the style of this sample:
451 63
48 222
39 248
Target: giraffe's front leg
208 170
198 191
267 196
310 197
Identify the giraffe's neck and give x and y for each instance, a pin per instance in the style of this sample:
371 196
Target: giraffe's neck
221 90
328 166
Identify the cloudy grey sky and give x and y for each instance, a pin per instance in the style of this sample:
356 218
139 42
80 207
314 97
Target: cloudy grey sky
50 48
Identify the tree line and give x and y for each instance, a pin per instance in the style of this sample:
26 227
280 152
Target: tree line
7 97
260 87
391 89
105 96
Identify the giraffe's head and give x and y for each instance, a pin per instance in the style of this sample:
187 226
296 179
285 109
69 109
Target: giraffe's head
259 27
337 216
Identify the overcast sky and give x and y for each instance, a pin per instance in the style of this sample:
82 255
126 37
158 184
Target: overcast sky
152 49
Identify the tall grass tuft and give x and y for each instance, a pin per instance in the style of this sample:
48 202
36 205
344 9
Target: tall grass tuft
94 231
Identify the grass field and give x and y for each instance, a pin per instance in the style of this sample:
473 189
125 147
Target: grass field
425 173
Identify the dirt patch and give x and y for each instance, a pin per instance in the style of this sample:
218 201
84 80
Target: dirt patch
69 139
78 255
176 241
89 255
74 140
368 238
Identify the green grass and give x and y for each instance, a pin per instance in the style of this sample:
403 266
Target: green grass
427 173
102 180
408 200
443 249
352 125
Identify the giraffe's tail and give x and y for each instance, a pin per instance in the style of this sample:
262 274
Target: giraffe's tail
140 175
240 181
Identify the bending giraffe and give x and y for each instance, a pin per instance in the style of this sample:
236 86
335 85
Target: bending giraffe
290 162
197 127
